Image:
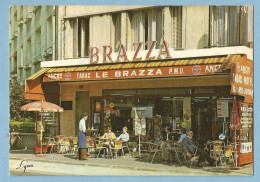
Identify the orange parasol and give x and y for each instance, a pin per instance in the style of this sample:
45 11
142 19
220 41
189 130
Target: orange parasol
41 106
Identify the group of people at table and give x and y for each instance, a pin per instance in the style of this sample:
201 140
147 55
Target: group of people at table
108 138
167 142
189 145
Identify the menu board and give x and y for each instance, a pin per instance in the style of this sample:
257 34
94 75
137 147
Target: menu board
246 120
222 106
138 114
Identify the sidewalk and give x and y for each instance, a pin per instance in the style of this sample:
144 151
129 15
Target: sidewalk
141 164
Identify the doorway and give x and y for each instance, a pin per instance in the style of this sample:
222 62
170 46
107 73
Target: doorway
81 106
202 120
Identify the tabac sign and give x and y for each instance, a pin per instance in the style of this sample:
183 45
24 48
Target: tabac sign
242 79
135 73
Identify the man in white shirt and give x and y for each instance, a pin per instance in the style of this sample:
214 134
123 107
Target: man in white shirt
124 136
82 138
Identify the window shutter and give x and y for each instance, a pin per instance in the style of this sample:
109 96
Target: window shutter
177 27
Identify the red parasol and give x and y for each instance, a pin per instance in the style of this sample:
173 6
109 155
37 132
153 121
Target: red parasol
41 106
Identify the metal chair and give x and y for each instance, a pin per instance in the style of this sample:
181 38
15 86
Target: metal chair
154 149
193 157
90 145
177 149
118 146
217 149
75 145
125 145
99 146
50 144
64 145
228 154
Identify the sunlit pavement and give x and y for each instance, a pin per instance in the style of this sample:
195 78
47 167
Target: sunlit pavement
54 164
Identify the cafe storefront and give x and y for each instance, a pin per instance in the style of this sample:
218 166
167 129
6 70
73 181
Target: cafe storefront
180 93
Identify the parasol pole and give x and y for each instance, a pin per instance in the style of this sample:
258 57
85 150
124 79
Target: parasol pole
236 146
58 123
139 147
36 132
41 132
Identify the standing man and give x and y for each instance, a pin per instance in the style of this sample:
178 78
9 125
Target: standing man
82 152
189 147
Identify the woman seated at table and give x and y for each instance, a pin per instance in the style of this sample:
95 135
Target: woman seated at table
109 136
124 136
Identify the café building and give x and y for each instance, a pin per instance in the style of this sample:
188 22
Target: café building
180 89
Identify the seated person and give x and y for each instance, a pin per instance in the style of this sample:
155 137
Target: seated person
166 135
189 147
166 139
124 136
183 135
109 136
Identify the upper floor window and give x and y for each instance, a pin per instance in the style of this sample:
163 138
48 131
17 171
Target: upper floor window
228 25
116 37
146 25
176 27
77 39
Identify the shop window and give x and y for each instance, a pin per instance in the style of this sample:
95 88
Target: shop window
96 115
227 26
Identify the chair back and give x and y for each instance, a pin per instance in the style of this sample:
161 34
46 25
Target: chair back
66 141
60 138
218 147
118 145
228 151
75 140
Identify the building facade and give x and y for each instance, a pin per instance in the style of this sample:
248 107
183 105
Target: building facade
146 67
32 39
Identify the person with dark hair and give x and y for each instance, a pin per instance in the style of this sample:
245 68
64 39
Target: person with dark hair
183 135
166 139
82 152
189 147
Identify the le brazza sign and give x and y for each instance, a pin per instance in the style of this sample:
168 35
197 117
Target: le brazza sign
134 73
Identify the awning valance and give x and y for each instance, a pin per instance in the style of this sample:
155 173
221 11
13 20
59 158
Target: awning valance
150 64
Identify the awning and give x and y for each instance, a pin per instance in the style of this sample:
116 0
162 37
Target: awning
38 73
182 62
36 88
230 61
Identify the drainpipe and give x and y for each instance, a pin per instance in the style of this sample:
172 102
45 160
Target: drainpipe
54 33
